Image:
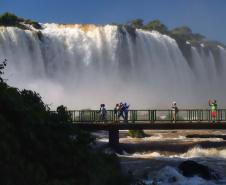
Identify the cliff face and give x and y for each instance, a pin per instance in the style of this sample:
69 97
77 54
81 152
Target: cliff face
9 19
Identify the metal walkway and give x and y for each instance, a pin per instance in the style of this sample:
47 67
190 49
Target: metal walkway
149 116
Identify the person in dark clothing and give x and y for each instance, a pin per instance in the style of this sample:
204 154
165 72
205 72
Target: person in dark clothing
116 112
103 112
120 111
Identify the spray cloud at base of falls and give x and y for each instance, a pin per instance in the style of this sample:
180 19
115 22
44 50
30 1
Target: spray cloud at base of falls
82 66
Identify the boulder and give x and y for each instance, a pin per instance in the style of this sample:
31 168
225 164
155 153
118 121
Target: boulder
191 168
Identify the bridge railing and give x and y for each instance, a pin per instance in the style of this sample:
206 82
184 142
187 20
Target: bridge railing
152 116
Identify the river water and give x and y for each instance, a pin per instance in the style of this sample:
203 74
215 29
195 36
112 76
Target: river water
155 158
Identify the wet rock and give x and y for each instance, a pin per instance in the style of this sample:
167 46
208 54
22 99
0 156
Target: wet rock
113 150
191 168
140 183
172 179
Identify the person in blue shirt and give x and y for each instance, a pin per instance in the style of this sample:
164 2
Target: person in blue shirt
126 111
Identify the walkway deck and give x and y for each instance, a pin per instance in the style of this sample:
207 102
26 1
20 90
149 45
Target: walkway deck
150 126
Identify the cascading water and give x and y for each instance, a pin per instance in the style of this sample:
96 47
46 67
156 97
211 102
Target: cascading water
82 66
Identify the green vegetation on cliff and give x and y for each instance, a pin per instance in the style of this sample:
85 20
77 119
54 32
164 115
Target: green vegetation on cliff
180 34
186 33
156 25
184 37
9 19
136 23
40 147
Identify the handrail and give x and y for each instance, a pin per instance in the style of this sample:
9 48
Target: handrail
150 116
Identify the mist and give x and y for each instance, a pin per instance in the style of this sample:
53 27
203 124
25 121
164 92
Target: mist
82 66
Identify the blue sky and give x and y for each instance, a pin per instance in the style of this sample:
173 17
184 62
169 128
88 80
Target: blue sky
202 16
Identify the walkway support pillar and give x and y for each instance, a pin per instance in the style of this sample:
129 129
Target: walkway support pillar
114 138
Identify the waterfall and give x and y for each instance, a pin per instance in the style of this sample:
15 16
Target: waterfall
82 66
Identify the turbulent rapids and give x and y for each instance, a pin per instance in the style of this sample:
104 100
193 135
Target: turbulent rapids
156 158
82 66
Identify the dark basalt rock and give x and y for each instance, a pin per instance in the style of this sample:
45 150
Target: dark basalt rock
172 179
191 168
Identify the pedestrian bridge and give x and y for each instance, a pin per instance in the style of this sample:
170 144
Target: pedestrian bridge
191 119
148 116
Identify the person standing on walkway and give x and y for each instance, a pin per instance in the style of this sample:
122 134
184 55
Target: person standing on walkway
213 107
120 111
116 112
126 111
174 111
103 113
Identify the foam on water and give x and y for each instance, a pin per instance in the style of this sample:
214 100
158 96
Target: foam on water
201 152
191 153
214 158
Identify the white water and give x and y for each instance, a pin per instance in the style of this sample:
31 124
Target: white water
191 153
83 66
160 167
159 164
169 175
163 169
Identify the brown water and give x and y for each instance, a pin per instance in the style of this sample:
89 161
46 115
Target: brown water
156 157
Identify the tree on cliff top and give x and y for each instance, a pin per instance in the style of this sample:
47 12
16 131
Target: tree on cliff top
185 33
9 19
136 23
156 25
